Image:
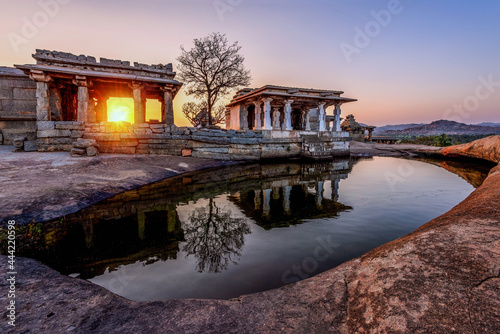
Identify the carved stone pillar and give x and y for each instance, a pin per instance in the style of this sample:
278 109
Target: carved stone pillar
267 114
288 115
83 114
257 200
276 118
286 199
266 209
139 102
307 122
337 113
321 117
244 117
258 111
167 113
42 95
335 189
319 194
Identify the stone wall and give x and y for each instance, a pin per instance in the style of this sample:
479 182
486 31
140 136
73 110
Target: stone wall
17 106
151 138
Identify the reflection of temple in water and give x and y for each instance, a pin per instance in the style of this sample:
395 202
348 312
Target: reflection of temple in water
143 225
288 201
94 245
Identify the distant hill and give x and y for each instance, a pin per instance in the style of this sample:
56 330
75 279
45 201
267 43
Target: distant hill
396 127
489 124
443 126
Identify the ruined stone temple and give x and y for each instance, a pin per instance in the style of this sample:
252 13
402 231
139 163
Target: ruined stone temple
357 131
61 103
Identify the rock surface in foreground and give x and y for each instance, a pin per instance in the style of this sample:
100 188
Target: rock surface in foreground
486 149
442 278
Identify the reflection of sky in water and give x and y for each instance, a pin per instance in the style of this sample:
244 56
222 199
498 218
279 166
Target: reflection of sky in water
389 198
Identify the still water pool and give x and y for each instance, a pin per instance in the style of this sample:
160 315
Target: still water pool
242 229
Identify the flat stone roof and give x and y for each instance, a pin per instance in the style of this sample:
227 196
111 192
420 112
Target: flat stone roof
65 63
289 92
11 72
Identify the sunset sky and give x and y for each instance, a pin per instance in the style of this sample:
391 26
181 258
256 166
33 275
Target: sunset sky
405 61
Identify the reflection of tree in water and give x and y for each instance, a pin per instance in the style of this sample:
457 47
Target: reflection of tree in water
213 237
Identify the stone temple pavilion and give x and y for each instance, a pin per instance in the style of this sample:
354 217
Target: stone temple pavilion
61 104
285 108
76 88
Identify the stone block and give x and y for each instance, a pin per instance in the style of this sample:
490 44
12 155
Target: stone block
69 125
221 150
19 105
116 149
19 142
54 148
157 126
181 137
31 135
123 143
6 93
143 131
24 93
84 143
78 151
158 130
30 146
197 144
55 141
244 152
102 136
92 151
246 141
154 141
140 126
45 125
213 140
77 134
248 147
53 133
186 152
210 155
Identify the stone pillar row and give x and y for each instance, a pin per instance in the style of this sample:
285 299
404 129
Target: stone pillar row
88 111
274 123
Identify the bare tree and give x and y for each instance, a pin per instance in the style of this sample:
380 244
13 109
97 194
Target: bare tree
211 69
197 113
214 237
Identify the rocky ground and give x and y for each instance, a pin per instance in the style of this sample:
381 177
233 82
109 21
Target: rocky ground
442 278
48 185
397 150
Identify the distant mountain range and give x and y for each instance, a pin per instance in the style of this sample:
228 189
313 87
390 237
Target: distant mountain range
396 127
489 124
439 127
